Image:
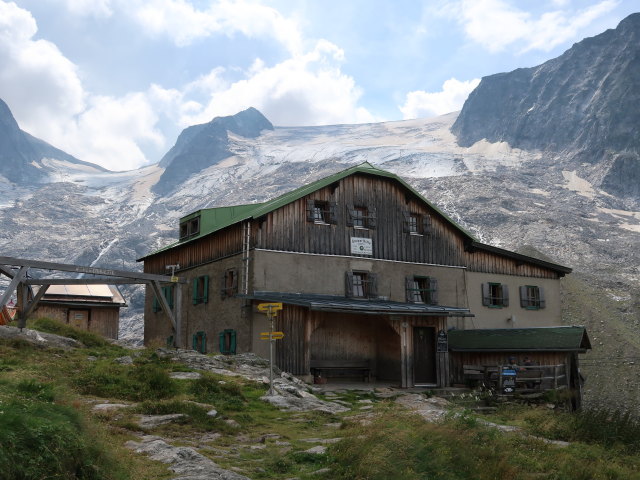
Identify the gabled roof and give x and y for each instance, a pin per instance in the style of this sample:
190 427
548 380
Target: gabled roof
551 339
89 294
215 219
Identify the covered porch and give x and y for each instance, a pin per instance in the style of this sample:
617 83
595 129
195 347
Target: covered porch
337 339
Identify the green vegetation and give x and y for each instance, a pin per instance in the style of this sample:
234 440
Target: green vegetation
49 430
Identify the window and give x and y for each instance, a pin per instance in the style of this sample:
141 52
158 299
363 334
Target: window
361 284
229 284
227 340
199 342
495 295
189 228
201 289
167 293
321 212
422 290
532 297
417 223
361 217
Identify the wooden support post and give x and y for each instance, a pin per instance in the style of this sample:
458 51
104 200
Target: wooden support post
166 310
13 285
34 303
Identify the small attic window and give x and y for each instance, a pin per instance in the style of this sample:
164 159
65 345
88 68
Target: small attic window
189 228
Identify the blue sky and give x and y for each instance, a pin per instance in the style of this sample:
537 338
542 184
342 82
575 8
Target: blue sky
115 81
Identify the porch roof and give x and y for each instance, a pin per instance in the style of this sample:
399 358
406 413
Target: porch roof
570 339
334 303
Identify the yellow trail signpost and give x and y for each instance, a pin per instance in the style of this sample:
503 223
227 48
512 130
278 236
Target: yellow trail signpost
271 310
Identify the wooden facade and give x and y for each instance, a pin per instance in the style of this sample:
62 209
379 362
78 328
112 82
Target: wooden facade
302 243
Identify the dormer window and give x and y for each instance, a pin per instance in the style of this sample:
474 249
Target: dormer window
189 228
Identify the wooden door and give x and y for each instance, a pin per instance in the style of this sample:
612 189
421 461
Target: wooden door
424 356
79 319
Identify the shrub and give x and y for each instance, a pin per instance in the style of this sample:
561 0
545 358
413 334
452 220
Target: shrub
225 395
88 339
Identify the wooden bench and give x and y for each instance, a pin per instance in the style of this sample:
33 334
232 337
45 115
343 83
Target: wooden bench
325 367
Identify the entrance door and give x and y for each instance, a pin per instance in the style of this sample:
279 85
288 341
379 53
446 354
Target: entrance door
424 356
79 319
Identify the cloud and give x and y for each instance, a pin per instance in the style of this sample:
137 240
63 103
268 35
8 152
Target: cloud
184 23
45 93
307 89
428 104
95 8
496 25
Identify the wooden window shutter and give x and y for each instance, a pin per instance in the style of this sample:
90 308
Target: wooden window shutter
426 224
310 206
543 302
372 220
406 222
227 341
505 295
234 284
486 295
348 280
223 285
373 285
524 299
333 213
350 214
194 297
205 289
433 291
408 286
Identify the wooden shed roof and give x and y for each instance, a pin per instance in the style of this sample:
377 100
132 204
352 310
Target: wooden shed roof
570 339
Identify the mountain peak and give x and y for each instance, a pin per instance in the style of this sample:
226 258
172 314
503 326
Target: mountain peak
583 104
248 123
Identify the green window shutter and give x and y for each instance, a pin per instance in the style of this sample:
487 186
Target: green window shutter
223 285
433 291
221 342
543 302
505 295
234 285
156 304
486 295
205 288
232 348
227 341
195 291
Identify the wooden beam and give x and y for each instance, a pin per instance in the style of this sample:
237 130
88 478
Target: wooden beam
83 281
13 285
31 306
165 309
64 267
7 271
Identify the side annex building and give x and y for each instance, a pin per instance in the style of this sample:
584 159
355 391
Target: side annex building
371 275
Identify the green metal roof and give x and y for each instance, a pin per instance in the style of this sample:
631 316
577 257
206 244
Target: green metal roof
215 219
571 339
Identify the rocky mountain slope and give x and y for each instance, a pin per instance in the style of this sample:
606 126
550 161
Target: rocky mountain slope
544 201
583 106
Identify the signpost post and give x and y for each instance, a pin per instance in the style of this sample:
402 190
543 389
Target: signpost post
271 310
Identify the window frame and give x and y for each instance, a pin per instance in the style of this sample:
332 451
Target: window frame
361 284
189 228
321 212
421 289
495 295
362 217
200 283
229 283
529 301
416 224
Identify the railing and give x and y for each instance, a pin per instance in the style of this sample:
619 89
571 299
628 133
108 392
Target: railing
528 379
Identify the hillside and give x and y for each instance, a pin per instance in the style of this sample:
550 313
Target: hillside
85 409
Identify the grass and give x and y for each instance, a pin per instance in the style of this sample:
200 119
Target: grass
47 428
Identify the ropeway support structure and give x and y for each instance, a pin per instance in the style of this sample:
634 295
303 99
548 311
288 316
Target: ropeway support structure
19 271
